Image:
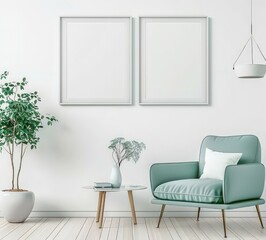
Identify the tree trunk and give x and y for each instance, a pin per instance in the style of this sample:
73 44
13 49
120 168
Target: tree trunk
12 164
12 158
20 164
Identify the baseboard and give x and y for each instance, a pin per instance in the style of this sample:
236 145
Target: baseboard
146 214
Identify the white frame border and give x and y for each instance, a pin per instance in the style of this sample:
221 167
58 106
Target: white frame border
207 64
61 100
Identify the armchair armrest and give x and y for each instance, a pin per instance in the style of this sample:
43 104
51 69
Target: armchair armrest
165 172
243 182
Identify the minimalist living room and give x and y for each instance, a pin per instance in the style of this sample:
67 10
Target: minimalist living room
138 120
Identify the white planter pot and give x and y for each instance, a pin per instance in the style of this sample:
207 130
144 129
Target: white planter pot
116 177
250 70
17 206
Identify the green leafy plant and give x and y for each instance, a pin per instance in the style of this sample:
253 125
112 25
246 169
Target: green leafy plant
20 121
125 150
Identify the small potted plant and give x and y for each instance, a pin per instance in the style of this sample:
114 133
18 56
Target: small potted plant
123 150
20 121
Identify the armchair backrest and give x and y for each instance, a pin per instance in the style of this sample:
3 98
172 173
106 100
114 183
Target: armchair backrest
248 145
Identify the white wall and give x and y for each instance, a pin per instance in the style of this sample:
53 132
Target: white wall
74 153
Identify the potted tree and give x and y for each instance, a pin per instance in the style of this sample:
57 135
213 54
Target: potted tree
123 150
20 121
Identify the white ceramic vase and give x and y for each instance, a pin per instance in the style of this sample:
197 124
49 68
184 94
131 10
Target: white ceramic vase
116 177
17 206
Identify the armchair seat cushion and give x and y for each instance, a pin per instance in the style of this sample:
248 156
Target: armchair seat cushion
191 190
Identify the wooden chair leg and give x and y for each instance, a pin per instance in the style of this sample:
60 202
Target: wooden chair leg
258 211
198 214
161 215
224 223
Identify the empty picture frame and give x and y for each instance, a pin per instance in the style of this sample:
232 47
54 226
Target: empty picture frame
96 60
173 60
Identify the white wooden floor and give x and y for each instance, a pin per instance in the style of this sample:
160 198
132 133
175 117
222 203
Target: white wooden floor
123 229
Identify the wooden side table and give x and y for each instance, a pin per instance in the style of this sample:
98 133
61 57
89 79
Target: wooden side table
102 196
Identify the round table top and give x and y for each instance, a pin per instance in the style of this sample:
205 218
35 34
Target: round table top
121 189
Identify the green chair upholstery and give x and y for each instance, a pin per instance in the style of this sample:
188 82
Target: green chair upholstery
179 183
191 190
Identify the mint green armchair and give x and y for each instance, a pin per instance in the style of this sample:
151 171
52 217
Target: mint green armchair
179 183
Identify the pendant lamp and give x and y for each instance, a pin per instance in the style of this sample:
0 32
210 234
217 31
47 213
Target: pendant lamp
251 70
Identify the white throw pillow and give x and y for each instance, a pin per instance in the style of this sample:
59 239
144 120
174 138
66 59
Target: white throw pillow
216 162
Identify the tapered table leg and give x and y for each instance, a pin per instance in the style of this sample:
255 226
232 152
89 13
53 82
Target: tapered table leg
99 206
102 209
131 201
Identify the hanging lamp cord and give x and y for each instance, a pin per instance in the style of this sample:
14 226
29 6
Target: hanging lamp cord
251 32
251 39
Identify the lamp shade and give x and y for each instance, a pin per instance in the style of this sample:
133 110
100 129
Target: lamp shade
250 70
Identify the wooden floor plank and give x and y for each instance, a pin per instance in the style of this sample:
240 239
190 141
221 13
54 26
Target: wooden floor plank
114 229
255 233
254 227
95 232
181 233
3 223
7 229
207 229
33 229
187 232
57 229
22 229
85 229
125 230
140 231
217 225
42 231
71 229
239 231
254 223
196 229
174 234
155 233
106 228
